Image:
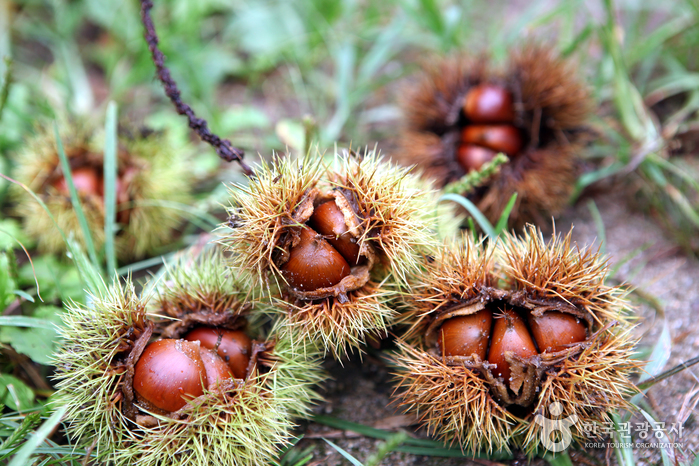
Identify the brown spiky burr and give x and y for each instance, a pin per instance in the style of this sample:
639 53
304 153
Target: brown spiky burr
498 333
462 110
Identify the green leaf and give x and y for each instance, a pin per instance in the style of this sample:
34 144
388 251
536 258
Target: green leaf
23 294
36 342
15 394
24 321
58 280
11 233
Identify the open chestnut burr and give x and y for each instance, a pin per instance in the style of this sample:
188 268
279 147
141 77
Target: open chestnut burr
148 168
325 237
198 368
461 111
498 333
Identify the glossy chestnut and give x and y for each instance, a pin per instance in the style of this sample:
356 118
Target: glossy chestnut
329 221
168 373
500 138
510 334
313 263
233 346
489 103
555 331
466 335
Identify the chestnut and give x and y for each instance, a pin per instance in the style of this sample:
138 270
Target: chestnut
554 331
510 334
472 157
86 180
489 103
313 263
233 346
466 335
500 138
168 372
216 368
328 220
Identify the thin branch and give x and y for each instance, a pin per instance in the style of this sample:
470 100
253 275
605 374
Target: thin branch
224 147
668 373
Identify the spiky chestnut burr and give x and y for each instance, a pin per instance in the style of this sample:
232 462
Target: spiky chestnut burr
461 111
325 236
149 171
486 396
232 420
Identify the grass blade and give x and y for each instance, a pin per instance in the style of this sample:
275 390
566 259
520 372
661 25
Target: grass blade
505 216
624 454
87 270
22 456
662 439
349 457
5 88
415 446
660 355
599 224
483 222
110 176
74 198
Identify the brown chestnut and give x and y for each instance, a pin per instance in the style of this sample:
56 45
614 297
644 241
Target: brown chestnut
488 103
168 372
216 368
466 335
87 181
472 157
500 138
233 346
328 220
313 263
554 331
510 334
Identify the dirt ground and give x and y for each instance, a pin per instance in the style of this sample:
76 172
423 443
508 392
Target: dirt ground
360 391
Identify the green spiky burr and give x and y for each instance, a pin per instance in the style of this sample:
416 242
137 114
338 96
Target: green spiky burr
240 422
381 208
151 175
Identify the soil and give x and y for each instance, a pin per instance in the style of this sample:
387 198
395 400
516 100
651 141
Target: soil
360 390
